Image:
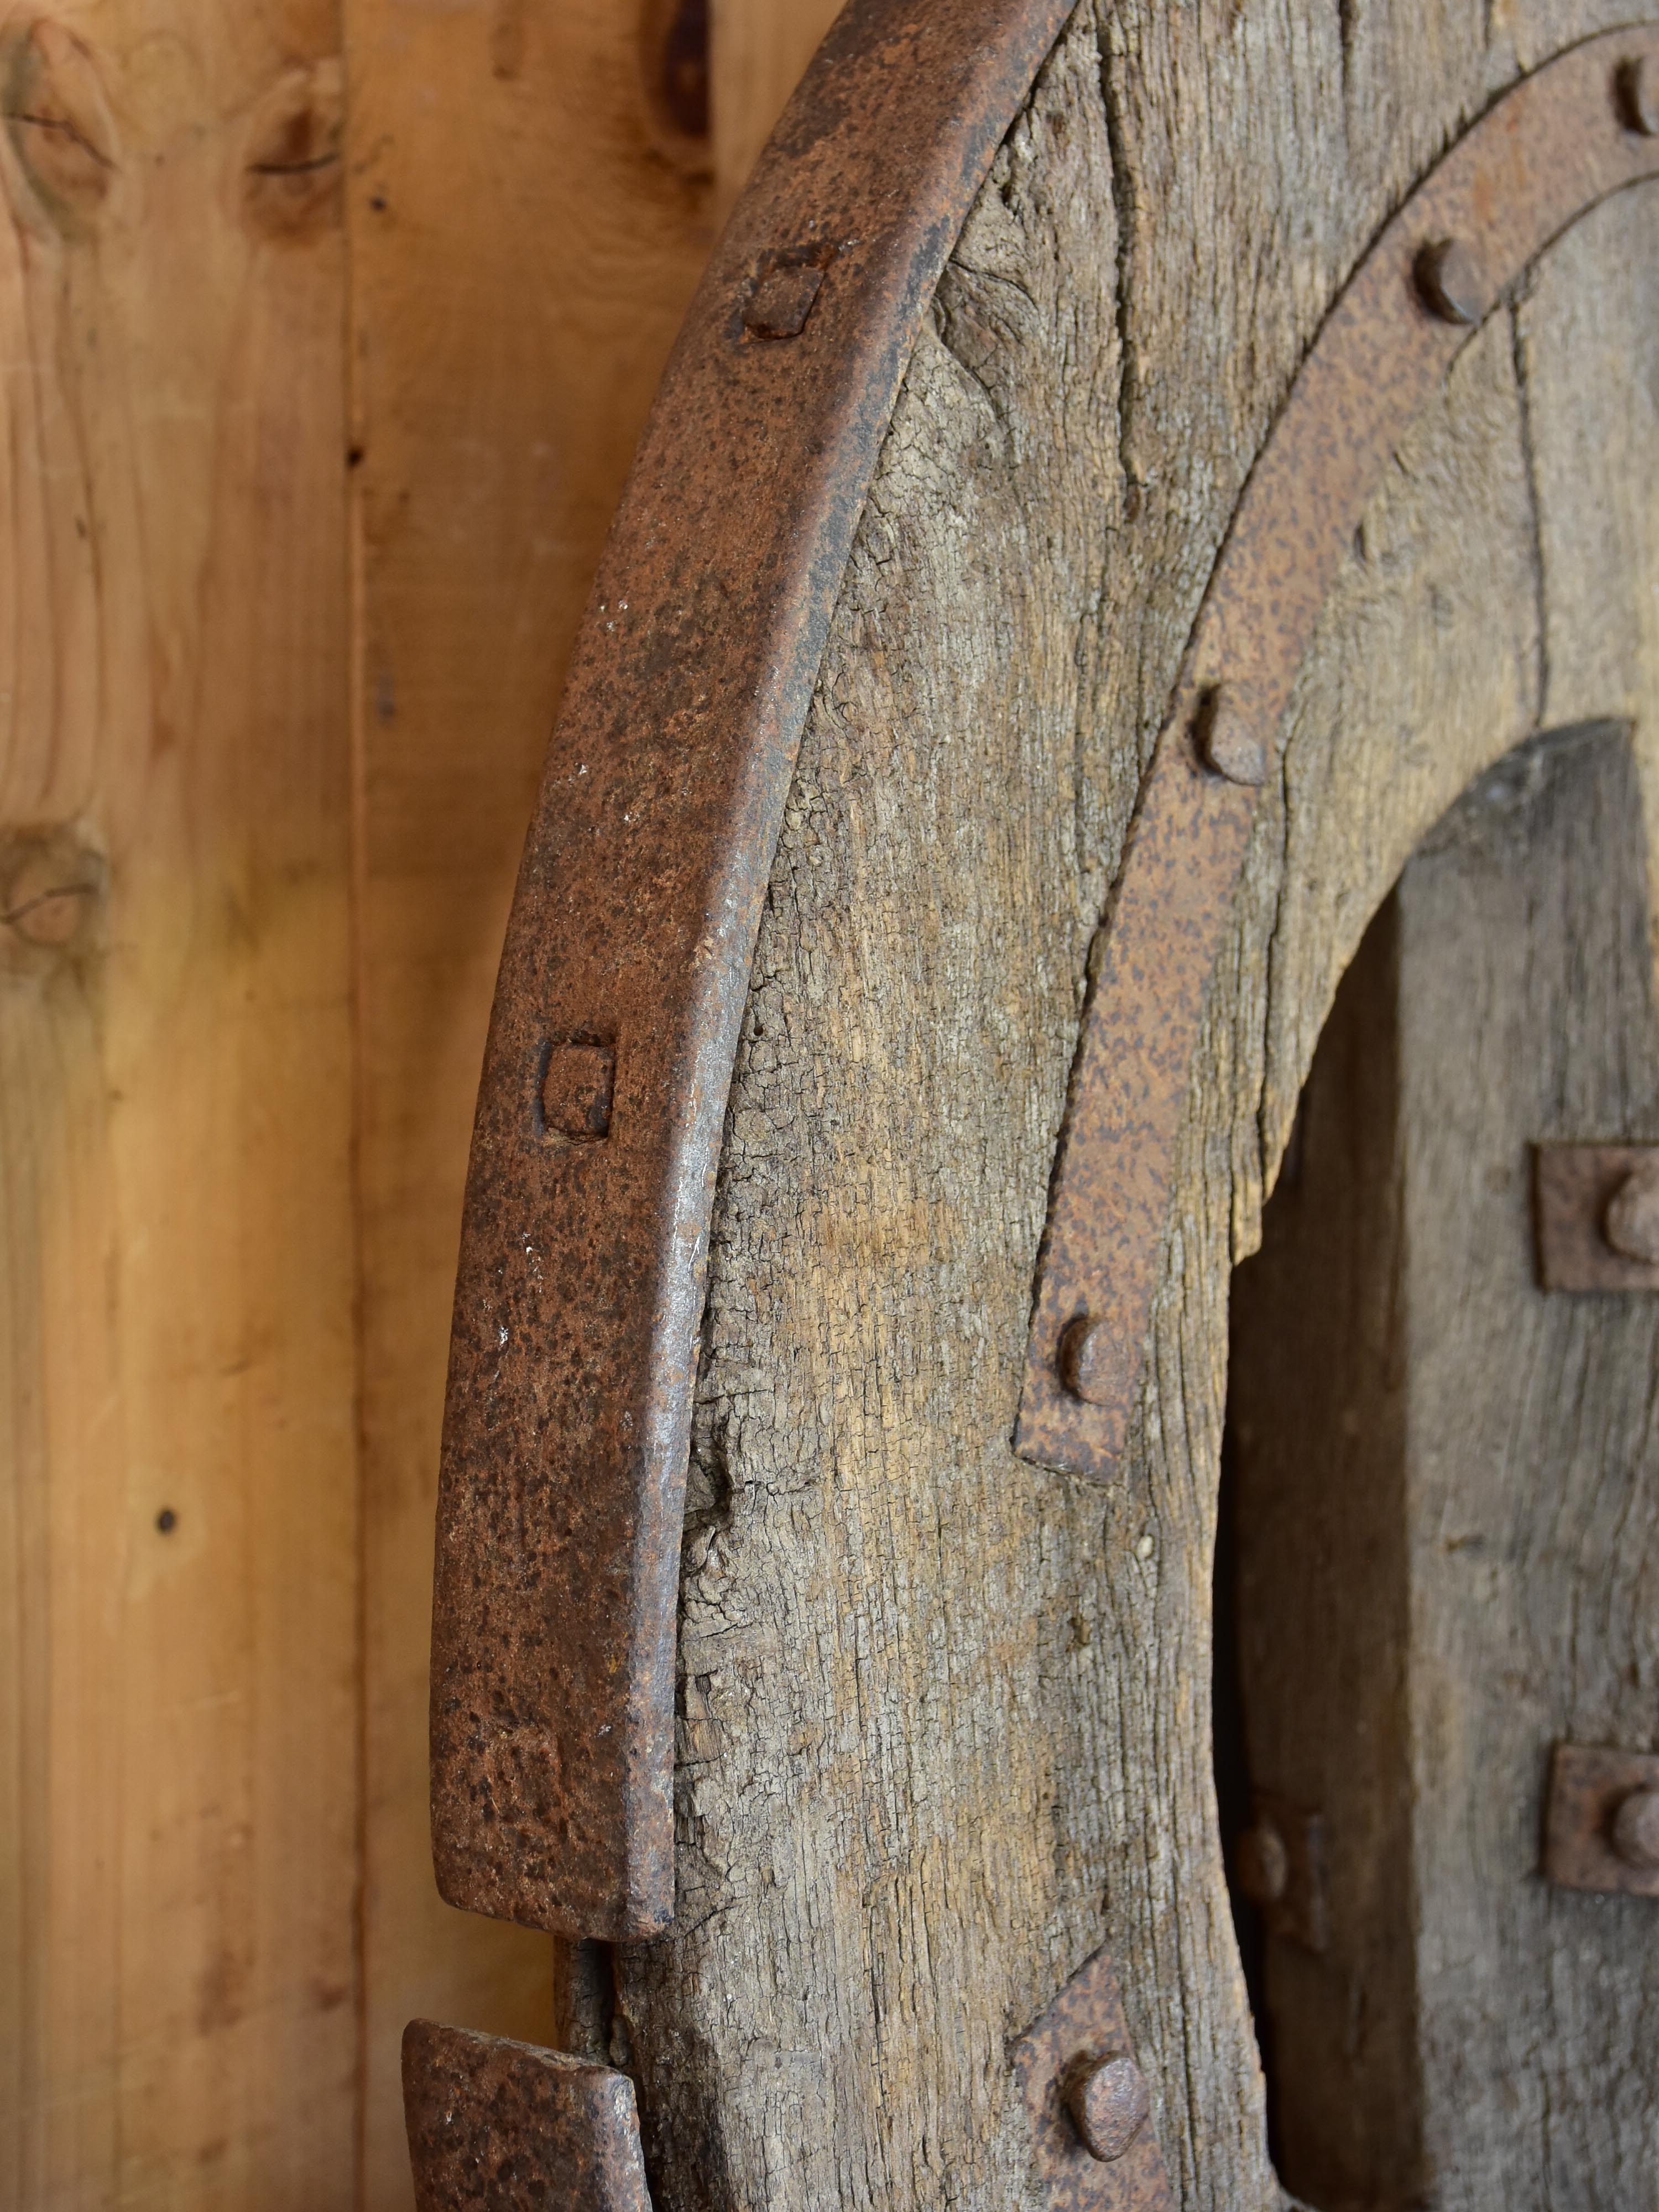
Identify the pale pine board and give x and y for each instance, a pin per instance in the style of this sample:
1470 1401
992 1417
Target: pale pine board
178 1985
188 2013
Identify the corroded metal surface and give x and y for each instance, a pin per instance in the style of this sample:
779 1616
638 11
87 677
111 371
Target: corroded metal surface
1083 2026
623 983
496 2126
1587 1789
1551 148
1576 1195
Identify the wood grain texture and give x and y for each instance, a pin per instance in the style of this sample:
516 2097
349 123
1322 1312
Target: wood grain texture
945 1723
1318 1515
945 1720
520 261
177 2011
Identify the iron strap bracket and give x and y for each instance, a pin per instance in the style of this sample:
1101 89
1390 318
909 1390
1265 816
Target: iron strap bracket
1087 2103
1581 127
622 986
1602 1821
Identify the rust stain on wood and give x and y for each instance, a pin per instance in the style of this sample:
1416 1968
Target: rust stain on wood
581 1281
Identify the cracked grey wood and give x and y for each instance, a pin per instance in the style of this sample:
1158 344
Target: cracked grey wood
1447 1539
946 1716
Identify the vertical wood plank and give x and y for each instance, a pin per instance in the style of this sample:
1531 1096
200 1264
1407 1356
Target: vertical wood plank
1445 1487
1317 1402
178 1997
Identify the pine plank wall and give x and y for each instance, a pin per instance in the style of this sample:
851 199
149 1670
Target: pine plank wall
328 330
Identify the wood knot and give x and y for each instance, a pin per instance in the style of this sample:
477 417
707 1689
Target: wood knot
291 176
674 77
52 894
60 130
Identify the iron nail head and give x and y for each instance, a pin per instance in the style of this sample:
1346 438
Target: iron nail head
781 301
578 1081
1263 1863
1230 746
1448 283
1635 1829
1635 97
1630 1224
1108 2101
1080 1359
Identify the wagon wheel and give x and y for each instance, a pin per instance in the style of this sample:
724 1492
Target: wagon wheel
1122 478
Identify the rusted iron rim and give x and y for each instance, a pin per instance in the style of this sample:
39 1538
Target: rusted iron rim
1551 148
515 2128
623 983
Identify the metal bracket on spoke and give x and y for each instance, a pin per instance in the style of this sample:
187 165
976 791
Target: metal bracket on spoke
1602 1828
1551 148
1596 1216
1281 1863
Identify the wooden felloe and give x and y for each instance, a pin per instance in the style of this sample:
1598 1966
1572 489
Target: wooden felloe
941 1722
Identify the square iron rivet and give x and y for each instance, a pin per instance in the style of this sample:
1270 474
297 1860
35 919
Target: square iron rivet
1587 1789
576 1094
1084 2023
1574 1186
781 301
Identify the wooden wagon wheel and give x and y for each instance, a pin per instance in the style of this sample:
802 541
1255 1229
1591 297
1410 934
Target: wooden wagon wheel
1149 482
